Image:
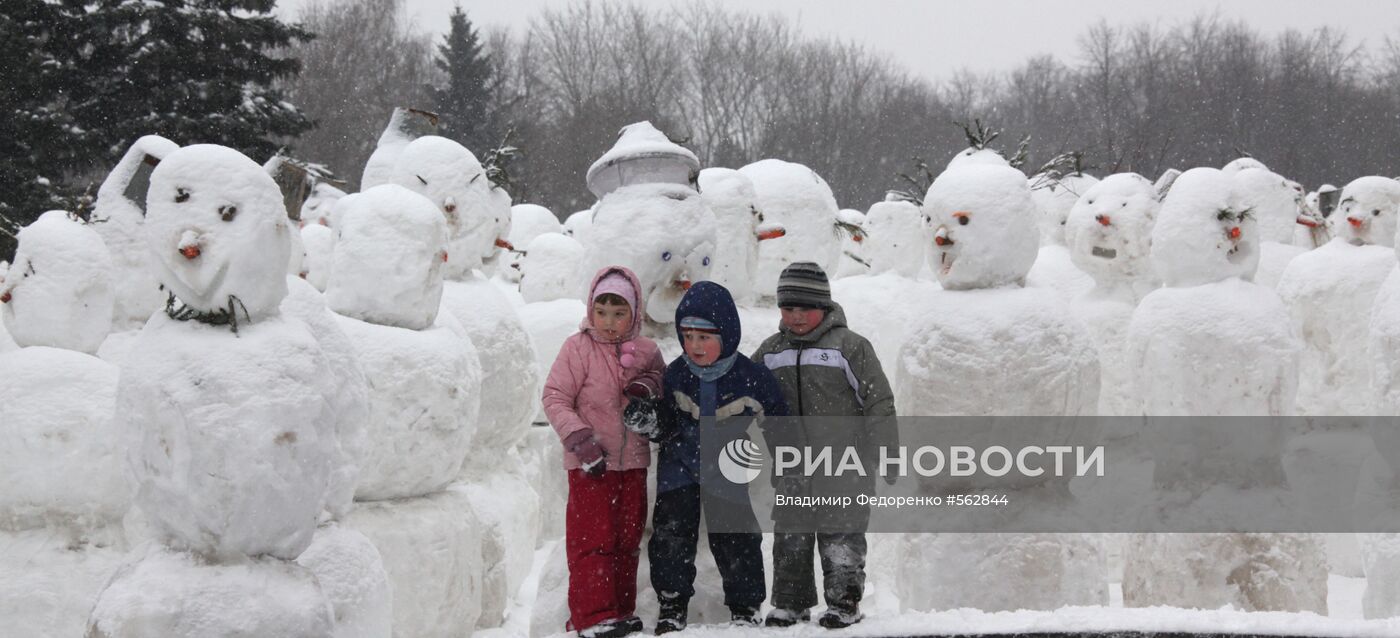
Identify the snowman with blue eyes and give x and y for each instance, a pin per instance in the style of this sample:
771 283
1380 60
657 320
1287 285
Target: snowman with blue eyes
650 219
969 357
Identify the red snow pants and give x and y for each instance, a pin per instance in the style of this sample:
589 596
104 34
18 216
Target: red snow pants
602 537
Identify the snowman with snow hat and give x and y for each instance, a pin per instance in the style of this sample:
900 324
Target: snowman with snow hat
650 219
60 453
984 329
1210 343
227 411
1330 291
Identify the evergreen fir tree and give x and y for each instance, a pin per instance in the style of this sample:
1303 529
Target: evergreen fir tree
465 101
195 71
37 135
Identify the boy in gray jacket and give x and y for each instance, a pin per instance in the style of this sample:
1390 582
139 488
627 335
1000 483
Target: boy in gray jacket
825 370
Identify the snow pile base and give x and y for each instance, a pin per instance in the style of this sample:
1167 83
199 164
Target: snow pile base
431 548
177 595
352 577
1253 572
53 575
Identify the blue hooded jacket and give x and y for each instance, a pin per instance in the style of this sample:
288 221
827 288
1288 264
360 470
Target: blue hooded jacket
689 405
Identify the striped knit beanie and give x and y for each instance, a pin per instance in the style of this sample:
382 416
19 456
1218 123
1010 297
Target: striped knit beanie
804 284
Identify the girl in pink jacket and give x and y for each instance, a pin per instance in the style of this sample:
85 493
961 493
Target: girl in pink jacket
585 395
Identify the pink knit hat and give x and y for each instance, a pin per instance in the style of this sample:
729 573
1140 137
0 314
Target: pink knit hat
617 284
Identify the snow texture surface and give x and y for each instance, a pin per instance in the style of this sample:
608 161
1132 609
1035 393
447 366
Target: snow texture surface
352 577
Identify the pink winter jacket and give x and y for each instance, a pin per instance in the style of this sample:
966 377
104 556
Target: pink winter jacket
585 385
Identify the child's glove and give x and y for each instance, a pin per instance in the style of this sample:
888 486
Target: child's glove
640 417
589 453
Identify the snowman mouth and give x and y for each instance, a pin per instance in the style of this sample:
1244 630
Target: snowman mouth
945 261
1106 253
1236 254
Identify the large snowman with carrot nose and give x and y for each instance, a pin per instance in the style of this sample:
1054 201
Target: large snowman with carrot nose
1211 343
650 219
969 357
1330 291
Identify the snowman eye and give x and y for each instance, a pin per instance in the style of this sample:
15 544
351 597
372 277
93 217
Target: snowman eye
227 213
705 261
1376 213
1123 205
666 256
963 220
181 196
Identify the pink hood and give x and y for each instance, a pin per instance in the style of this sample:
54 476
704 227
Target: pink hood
584 389
638 309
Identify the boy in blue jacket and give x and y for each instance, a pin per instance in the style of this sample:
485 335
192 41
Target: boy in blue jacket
711 387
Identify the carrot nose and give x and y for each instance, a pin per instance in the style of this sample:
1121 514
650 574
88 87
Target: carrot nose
858 238
683 283
501 243
942 241
1103 220
1307 221
191 251
1355 223
5 298
772 234
1235 232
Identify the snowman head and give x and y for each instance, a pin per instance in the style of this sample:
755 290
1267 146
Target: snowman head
1368 210
897 238
1054 197
58 292
1205 232
1243 163
731 195
387 265
662 232
1274 201
973 156
984 229
1109 229
217 225
450 176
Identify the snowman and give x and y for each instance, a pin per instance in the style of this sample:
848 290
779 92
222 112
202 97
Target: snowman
451 177
60 457
117 216
405 126
1378 488
967 357
552 269
527 221
1330 292
1108 234
799 200
478 219
740 226
227 407
1208 344
386 287
6 343
318 241
1054 196
650 219
897 237
1275 207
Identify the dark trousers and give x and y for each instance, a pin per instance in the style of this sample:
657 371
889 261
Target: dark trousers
602 536
675 527
843 570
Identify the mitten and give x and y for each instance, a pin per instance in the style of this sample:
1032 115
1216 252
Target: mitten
640 417
588 452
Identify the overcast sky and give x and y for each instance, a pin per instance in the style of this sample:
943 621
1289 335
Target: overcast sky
937 37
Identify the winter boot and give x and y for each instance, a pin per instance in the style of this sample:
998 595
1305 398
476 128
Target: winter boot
780 617
744 616
615 628
838 616
674 610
